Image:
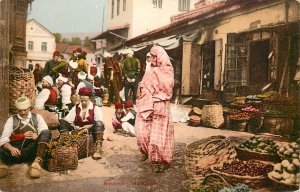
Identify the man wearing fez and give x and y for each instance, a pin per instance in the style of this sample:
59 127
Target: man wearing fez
48 70
86 115
24 139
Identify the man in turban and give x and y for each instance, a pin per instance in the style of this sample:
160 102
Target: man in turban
24 139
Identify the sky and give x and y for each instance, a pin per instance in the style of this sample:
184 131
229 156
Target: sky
68 16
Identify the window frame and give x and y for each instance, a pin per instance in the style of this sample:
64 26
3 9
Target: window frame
44 47
124 5
30 45
118 7
112 8
183 5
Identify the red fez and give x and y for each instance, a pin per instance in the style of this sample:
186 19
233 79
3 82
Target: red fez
84 53
37 65
85 91
118 105
128 104
79 50
55 53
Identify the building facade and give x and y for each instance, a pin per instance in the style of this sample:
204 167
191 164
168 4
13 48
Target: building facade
40 43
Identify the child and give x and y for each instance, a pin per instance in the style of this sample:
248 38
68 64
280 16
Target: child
117 116
129 120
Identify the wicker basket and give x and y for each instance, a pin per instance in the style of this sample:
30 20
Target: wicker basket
254 182
279 186
278 124
244 154
86 145
21 83
203 153
212 116
64 158
238 125
216 182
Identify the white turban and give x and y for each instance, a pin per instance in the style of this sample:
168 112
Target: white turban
22 103
48 79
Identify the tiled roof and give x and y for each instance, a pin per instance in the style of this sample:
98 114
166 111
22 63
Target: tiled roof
68 49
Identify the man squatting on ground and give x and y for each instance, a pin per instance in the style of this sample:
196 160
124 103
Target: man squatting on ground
24 139
85 115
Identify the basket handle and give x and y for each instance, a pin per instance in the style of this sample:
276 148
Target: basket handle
211 141
227 184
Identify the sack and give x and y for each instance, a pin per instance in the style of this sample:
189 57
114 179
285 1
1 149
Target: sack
50 118
85 144
212 115
63 158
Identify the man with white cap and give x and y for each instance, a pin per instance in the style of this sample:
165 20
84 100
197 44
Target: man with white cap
84 83
65 92
47 98
131 73
24 139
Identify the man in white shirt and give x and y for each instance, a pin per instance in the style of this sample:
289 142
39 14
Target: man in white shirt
65 90
24 139
47 98
128 120
86 115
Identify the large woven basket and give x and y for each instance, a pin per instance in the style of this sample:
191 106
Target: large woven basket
278 125
21 83
85 144
64 158
201 154
212 115
244 154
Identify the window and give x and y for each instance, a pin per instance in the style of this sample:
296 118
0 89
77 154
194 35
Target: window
124 5
157 3
30 45
184 5
118 7
112 8
44 46
236 74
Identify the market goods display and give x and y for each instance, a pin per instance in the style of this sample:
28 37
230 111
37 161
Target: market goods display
252 173
202 154
239 117
286 175
238 122
258 148
85 144
250 109
265 95
238 188
212 115
279 99
290 150
194 120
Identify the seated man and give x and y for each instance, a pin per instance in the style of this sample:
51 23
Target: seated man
24 139
128 120
86 115
47 98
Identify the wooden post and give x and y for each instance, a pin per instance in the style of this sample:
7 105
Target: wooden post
287 59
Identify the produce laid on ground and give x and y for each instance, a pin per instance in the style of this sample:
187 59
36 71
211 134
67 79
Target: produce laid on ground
246 168
290 150
238 188
260 145
265 95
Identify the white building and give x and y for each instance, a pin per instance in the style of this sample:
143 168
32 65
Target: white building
40 43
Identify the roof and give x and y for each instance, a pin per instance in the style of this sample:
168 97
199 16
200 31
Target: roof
41 26
195 18
111 30
68 49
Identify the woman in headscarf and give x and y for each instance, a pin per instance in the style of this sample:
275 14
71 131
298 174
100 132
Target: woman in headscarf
154 125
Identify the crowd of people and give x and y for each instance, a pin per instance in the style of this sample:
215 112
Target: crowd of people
77 89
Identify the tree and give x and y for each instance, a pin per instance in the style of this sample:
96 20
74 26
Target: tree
76 41
87 42
57 37
66 40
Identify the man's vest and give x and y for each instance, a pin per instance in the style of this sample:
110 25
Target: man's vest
88 121
52 100
20 128
132 121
